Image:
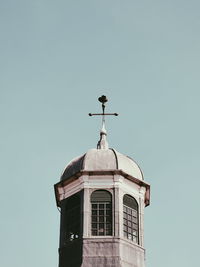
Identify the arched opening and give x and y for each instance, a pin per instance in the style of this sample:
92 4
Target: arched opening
130 218
101 209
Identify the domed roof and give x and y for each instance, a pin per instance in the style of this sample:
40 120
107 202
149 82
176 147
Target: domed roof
102 159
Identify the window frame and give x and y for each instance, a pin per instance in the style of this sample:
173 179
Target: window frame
101 213
131 219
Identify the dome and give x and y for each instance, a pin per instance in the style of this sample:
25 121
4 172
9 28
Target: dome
102 159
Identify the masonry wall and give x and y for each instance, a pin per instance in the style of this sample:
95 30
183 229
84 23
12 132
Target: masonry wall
100 251
111 252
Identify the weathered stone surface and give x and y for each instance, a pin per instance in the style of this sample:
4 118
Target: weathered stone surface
111 252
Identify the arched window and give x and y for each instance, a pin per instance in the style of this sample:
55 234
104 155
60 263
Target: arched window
130 217
101 205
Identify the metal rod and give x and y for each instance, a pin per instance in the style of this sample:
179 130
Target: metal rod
98 114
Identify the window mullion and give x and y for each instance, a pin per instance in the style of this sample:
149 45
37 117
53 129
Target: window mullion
104 218
97 218
130 223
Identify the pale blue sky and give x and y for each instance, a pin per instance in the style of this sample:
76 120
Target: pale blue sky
56 59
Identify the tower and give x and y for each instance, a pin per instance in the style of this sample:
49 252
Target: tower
102 195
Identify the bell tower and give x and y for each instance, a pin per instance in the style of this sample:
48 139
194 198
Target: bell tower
102 195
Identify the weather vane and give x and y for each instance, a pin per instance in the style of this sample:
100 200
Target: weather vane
103 99
102 143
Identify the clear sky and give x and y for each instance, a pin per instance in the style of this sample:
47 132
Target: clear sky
56 59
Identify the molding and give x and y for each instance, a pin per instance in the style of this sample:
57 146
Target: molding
89 173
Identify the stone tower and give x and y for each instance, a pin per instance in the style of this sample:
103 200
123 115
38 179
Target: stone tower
102 196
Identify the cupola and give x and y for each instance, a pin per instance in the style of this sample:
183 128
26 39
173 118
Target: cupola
101 196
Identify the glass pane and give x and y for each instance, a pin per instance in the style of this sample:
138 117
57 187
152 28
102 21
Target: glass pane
134 213
94 212
134 239
108 232
130 202
108 226
134 233
130 220
125 234
94 225
129 230
101 231
129 211
125 228
108 219
101 219
101 225
101 212
94 206
101 196
130 236
108 212
134 219
134 226
101 206
108 206
94 232
94 218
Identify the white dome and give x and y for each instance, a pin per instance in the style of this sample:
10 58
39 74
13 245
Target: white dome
102 159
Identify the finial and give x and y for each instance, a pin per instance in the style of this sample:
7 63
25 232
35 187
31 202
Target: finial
102 143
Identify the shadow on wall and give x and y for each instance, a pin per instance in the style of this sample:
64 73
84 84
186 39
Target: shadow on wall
71 243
